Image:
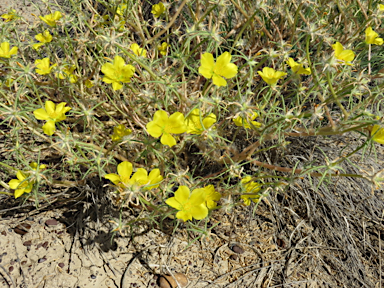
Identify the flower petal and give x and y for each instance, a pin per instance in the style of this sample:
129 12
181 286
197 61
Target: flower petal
49 128
207 65
50 107
167 139
41 114
177 123
182 194
14 183
184 215
114 178
174 203
229 71
124 169
140 177
219 81
199 212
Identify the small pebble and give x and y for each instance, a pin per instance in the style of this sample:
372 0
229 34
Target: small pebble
23 262
167 281
41 260
51 222
93 276
237 249
20 231
45 244
10 269
27 243
61 265
3 233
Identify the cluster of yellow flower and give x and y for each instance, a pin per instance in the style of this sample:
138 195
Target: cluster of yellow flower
195 204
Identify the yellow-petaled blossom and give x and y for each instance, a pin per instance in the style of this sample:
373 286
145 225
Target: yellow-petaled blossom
68 73
117 72
271 76
252 188
121 9
158 9
377 134
10 16
343 55
43 66
22 185
5 52
196 124
44 38
210 196
247 122
222 68
51 19
190 205
88 83
164 126
140 178
371 37
163 48
52 114
138 51
298 68
381 7
119 132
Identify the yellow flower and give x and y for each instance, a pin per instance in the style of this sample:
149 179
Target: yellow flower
42 66
5 52
121 9
163 48
209 69
52 114
248 122
119 132
117 72
140 178
68 73
298 68
271 76
250 187
51 19
371 37
377 134
138 51
10 16
22 185
158 9
196 124
210 195
343 55
162 125
381 7
88 83
44 37
190 205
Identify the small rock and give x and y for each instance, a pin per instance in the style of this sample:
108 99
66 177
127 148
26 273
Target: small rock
20 231
61 265
3 233
27 243
10 269
237 249
51 222
93 276
167 281
41 260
